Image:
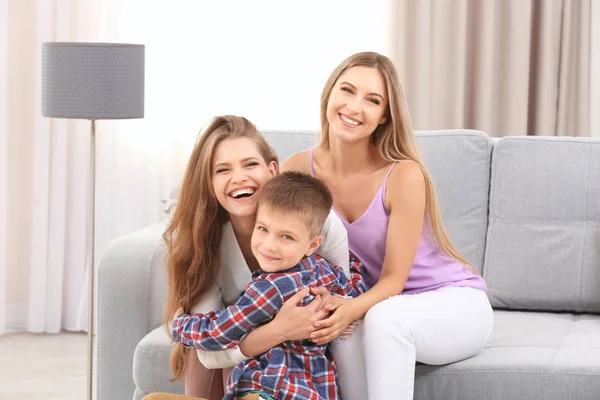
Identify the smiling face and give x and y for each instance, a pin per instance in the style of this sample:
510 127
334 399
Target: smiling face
239 172
357 103
281 239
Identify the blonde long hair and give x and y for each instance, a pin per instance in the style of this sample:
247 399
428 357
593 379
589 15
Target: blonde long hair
193 237
395 139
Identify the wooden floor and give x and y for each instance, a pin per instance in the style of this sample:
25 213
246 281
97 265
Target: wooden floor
43 366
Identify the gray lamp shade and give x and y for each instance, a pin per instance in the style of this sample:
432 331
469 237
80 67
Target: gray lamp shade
92 80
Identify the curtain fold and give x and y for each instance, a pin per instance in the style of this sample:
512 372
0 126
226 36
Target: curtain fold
45 271
595 71
41 267
510 67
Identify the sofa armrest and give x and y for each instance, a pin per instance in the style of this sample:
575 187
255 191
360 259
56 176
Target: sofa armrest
132 287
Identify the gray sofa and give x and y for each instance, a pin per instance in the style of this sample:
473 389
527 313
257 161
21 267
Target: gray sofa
524 210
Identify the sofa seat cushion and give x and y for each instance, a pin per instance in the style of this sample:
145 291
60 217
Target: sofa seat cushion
529 356
151 370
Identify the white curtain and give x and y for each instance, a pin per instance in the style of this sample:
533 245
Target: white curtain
43 172
44 255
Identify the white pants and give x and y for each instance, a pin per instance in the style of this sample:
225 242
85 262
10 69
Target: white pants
438 327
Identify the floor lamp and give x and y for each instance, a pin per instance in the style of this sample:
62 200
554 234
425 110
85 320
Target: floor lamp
92 81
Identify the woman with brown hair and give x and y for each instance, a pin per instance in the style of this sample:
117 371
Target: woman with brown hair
209 258
425 302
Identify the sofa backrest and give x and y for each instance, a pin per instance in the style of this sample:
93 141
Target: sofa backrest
543 244
287 143
459 164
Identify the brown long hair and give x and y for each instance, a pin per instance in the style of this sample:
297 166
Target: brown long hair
395 139
193 237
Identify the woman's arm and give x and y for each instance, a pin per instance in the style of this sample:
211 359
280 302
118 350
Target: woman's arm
406 200
406 194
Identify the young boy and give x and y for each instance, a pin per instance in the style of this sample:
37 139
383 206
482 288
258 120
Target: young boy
292 209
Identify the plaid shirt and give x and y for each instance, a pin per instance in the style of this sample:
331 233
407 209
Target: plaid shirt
292 370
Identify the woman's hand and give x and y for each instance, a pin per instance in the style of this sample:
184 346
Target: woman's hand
339 323
297 323
330 305
326 297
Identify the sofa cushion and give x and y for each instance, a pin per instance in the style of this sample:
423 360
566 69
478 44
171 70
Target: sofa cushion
543 249
151 370
529 356
459 164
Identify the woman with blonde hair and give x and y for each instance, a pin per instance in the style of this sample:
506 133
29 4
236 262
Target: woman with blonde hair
425 302
209 259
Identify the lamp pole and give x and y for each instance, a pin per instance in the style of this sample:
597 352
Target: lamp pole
90 258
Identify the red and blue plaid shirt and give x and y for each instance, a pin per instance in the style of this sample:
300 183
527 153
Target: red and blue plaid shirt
292 370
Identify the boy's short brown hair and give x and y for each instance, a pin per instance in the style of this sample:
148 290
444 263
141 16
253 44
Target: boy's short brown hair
299 193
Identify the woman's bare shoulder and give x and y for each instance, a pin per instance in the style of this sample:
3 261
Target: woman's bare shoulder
299 162
405 183
407 173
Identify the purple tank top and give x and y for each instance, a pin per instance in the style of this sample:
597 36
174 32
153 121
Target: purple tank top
431 268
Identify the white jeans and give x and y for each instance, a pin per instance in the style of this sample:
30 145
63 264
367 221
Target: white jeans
438 327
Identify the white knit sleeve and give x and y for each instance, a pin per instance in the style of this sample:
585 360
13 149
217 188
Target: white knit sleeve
335 243
212 301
